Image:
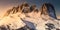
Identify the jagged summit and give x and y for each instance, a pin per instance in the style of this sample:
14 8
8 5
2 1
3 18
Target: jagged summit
13 10
26 17
48 9
23 8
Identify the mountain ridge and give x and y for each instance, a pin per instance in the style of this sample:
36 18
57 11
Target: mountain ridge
29 17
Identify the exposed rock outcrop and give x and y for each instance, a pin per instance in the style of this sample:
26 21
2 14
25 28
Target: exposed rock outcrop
48 9
26 17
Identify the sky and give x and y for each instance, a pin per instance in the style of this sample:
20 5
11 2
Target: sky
7 4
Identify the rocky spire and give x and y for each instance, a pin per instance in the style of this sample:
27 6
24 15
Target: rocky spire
33 8
48 9
13 10
25 8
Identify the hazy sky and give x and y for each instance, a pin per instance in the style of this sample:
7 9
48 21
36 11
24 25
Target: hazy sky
7 4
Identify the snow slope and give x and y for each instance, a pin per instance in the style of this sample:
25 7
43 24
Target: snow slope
31 20
15 18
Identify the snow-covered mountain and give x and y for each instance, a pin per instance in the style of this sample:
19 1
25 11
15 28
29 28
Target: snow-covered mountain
25 17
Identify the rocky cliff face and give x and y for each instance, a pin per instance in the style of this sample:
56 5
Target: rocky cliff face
48 9
25 17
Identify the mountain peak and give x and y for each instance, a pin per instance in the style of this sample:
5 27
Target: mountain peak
48 9
23 8
28 17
